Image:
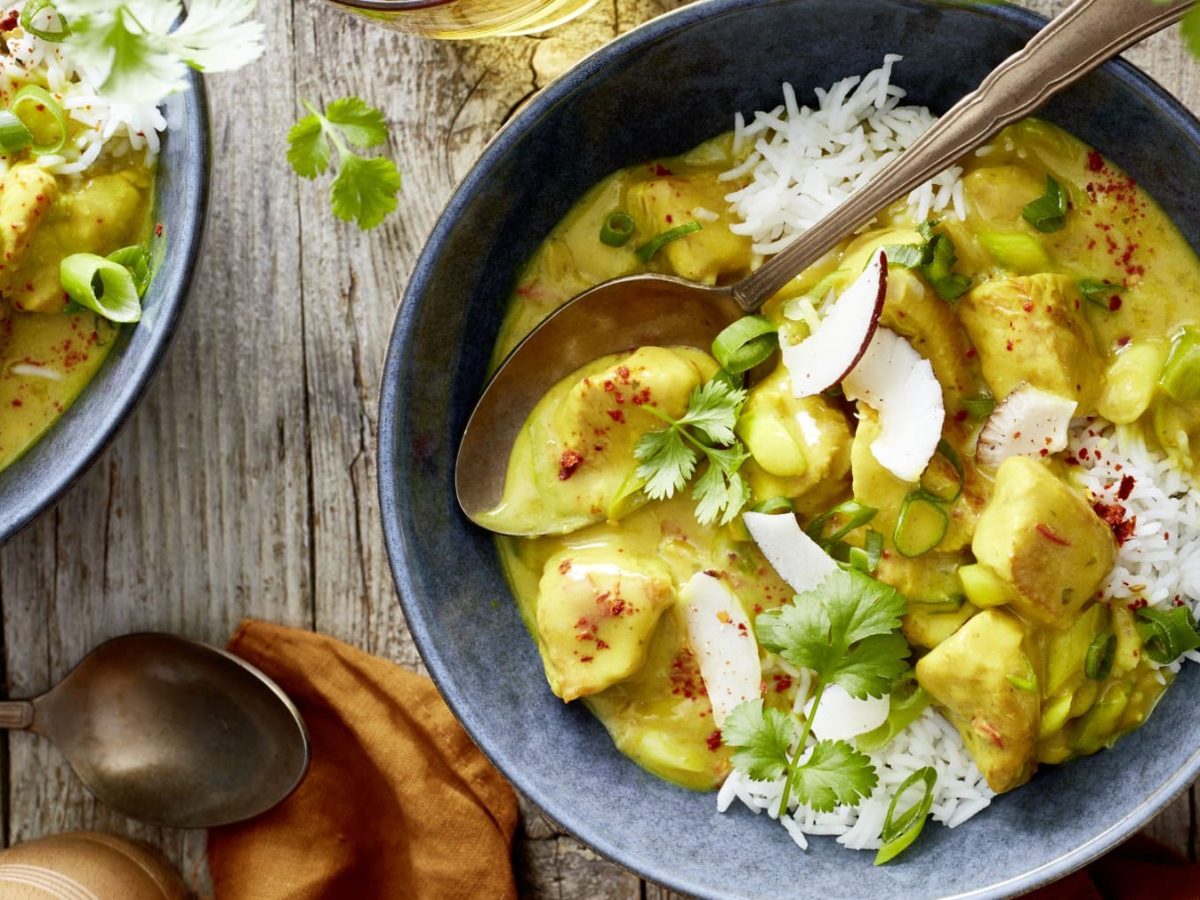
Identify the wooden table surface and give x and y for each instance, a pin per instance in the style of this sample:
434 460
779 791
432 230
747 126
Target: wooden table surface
245 483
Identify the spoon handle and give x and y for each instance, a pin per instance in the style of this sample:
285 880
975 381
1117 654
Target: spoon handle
1086 34
16 715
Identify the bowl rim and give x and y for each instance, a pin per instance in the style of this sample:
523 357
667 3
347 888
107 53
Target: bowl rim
174 294
391 416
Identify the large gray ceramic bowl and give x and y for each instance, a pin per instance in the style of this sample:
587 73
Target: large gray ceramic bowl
47 470
659 90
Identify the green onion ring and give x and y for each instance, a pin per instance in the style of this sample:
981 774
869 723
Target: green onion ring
101 285
1098 663
14 136
136 259
948 453
1168 635
618 228
646 252
855 513
1180 377
910 540
979 407
44 103
34 8
746 343
772 505
900 831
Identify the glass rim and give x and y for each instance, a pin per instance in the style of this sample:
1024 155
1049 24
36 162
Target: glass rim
390 5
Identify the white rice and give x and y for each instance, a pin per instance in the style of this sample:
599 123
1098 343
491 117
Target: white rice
109 129
803 162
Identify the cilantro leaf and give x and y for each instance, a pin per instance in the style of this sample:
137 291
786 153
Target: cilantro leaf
669 457
364 188
835 774
760 738
667 462
308 148
132 54
844 631
362 125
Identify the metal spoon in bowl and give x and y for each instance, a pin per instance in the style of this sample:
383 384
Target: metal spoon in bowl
171 732
667 311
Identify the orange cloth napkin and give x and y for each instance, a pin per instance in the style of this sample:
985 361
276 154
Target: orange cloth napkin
397 803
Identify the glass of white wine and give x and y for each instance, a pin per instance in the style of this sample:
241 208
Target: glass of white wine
465 19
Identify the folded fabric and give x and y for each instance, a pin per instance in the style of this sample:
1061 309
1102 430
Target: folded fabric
397 802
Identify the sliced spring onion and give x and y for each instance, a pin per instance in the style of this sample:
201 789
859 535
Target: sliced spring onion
1099 292
979 407
14 136
1168 635
921 525
136 259
646 252
772 505
1180 376
906 702
41 113
851 515
1100 655
618 228
746 343
44 9
866 558
900 831
101 285
1027 682
1049 211
946 494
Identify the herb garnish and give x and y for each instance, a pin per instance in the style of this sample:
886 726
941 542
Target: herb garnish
133 55
934 257
668 458
846 632
364 188
1168 635
1049 211
1099 292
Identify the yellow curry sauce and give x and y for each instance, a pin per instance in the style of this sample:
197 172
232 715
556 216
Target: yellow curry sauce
48 355
1024 542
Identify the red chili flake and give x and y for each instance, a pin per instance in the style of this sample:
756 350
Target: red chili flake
601 645
1071 461
1122 341
1044 452
1008 345
970 354
1139 603
586 658
1027 306
757 608
17 402
617 416
568 463
564 567
782 683
623 372
714 741
1178 601
1095 161
1083 452
712 573
609 387
660 169
10 21
685 676
1114 303
960 416
1113 515
988 730
1126 488
616 607
642 397
670 218
1049 534
620 398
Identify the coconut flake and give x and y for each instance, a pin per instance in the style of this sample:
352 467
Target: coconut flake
720 634
898 383
826 356
1030 422
841 717
797 558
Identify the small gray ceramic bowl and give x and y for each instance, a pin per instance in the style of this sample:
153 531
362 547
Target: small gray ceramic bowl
660 90
47 470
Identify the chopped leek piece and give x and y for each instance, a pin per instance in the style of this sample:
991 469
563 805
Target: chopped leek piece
945 494
905 704
44 118
1020 253
618 228
1168 635
850 514
1049 211
1100 655
137 260
866 558
1180 376
36 11
746 343
14 136
652 246
921 525
1027 682
101 285
900 831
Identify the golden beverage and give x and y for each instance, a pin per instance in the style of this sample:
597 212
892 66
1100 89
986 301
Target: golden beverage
463 19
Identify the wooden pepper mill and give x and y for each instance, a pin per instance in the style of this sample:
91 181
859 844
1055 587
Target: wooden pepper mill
87 865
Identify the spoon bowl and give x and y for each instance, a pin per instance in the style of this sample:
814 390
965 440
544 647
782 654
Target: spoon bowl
172 732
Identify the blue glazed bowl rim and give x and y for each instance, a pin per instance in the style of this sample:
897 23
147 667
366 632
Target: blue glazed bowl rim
172 294
391 490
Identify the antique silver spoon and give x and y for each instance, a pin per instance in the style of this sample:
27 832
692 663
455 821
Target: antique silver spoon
172 732
666 311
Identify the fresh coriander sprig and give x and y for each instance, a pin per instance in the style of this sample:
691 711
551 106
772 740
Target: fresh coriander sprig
669 458
132 54
846 632
364 188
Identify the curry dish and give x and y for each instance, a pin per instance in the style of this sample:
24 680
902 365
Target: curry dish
1011 634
